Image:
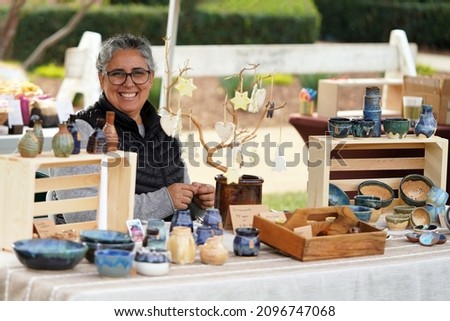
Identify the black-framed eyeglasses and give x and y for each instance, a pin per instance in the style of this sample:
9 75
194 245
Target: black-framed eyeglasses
119 77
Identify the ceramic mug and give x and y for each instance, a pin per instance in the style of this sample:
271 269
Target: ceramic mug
246 242
437 196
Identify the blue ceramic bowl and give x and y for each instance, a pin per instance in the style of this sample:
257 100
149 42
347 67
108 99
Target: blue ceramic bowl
93 247
337 196
437 196
368 201
339 127
396 128
377 188
362 127
104 236
49 254
363 213
114 263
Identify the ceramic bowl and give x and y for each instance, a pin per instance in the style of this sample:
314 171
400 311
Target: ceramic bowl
371 201
442 238
397 222
337 196
114 263
362 127
94 246
152 262
104 236
363 213
396 128
49 254
429 238
404 209
414 189
437 196
420 216
425 228
413 237
377 188
339 127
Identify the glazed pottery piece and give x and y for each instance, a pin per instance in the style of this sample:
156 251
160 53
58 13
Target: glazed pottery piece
29 144
428 238
182 218
214 251
246 241
203 232
435 212
62 142
213 219
425 228
377 188
104 236
414 189
371 201
156 234
441 238
38 132
413 237
181 245
112 139
403 209
437 196
339 127
396 128
76 135
397 222
114 263
337 196
97 140
362 128
93 247
427 124
152 262
420 216
363 213
372 108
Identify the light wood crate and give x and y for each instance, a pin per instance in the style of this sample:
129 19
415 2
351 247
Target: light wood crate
18 186
349 162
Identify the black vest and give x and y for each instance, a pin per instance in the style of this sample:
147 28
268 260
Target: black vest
159 161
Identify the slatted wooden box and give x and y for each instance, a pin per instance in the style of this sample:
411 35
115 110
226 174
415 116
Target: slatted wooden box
18 185
370 241
348 162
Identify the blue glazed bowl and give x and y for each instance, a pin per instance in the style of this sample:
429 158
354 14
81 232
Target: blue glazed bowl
114 263
396 128
104 236
362 127
371 201
337 196
363 213
93 247
49 254
339 127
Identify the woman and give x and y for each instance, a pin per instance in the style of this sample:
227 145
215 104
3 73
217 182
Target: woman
126 71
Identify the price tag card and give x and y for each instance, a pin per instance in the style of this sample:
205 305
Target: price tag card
277 217
45 228
304 231
242 215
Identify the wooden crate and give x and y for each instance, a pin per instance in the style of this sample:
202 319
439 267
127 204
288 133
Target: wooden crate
370 241
18 185
348 162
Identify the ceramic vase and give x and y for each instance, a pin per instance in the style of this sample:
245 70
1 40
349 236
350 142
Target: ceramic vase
39 133
202 233
29 144
214 251
182 218
97 140
213 219
181 245
109 129
62 142
372 108
73 129
427 124
247 192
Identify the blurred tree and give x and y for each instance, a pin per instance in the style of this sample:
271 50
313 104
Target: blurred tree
8 29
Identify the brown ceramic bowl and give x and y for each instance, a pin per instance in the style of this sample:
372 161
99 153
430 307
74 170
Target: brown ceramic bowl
377 188
414 189
420 216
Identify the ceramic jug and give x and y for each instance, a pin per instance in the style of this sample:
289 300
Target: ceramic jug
181 245
62 142
214 251
427 124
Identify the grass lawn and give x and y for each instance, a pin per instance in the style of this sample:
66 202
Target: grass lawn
285 201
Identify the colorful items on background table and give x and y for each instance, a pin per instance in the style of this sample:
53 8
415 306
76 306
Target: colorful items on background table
307 98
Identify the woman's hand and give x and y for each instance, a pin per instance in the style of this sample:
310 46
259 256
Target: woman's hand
204 197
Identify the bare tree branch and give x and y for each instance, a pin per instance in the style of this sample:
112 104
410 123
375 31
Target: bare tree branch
57 36
9 29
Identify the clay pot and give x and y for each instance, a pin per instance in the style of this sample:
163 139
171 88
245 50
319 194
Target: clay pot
62 142
181 245
214 251
37 129
29 144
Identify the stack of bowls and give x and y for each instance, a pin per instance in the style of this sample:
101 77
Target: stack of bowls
371 201
105 240
435 203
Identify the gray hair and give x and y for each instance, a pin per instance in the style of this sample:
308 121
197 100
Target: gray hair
124 41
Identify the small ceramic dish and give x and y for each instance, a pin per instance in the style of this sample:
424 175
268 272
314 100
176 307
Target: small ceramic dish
413 237
414 189
420 229
428 238
363 213
152 262
377 188
114 263
337 196
397 222
420 216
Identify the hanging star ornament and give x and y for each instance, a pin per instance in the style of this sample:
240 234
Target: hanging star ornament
232 175
185 86
240 100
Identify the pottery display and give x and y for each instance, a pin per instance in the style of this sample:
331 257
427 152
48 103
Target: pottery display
396 128
362 127
62 142
181 245
214 251
427 124
414 189
428 238
246 241
339 127
73 129
403 209
28 145
97 139
420 229
363 213
112 138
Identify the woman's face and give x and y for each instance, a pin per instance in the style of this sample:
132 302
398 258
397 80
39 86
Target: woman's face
127 97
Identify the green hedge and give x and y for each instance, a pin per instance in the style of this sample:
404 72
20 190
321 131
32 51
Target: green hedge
425 22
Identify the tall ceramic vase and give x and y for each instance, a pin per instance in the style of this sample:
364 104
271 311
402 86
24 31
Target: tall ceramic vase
427 125
247 192
37 130
62 142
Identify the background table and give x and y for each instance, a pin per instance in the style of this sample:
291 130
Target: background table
406 271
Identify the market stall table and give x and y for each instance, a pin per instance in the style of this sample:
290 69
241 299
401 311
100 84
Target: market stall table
406 271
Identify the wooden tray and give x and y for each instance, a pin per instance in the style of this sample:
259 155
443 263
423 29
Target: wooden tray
369 241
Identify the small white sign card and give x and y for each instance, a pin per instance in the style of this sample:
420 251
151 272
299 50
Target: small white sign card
64 109
15 113
274 216
242 215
